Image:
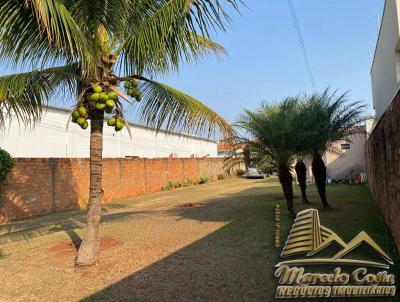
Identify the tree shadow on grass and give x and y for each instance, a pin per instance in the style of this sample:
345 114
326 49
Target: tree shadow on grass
68 226
233 263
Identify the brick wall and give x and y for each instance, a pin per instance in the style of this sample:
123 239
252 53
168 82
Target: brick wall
383 166
39 186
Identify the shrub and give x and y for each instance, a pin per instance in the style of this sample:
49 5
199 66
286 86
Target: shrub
240 172
203 179
189 181
181 183
164 188
6 164
172 184
221 177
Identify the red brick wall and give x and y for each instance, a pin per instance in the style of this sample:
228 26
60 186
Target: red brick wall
383 167
40 186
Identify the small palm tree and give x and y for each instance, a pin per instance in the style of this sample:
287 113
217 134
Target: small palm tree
85 49
275 138
328 118
238 156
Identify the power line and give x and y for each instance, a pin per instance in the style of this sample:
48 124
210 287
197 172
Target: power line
301 41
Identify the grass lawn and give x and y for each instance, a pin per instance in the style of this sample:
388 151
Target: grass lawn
156 249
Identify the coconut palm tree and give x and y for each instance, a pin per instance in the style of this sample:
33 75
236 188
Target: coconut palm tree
84 50
328 118
275 137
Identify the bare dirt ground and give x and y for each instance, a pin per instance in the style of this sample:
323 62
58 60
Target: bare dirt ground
203 243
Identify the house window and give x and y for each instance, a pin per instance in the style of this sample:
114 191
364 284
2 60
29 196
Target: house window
345 146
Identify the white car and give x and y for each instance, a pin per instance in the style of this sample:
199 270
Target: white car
254 173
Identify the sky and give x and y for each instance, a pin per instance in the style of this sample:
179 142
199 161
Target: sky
265 61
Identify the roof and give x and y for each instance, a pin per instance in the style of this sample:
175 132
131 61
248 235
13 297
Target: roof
145 127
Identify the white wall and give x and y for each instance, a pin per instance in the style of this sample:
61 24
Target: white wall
338 165
385 71
370 124
50 139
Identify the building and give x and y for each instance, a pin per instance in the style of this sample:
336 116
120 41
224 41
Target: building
383 144
385 69
347 160
51 138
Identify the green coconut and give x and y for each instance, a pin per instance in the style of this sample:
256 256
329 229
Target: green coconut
112 95
119 125
82 112
134 83
131 92
85 125
138 95
95 97
108 110
110 103
97 88
100 106
103 96
111 121
75 114
127 85
81 121
74 120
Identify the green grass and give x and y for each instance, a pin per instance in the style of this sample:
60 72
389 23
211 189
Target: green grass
223 251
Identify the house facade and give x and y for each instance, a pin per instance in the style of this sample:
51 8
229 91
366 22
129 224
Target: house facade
383 144
346 162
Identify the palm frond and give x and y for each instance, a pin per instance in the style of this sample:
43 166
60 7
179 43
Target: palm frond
329 118
165 107
23 95
159 36
275 130
43 32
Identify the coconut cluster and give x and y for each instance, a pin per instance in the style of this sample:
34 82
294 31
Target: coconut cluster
80 116
102 100
132 90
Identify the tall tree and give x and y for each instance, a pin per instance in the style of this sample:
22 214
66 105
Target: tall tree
329 118
85 49
275 137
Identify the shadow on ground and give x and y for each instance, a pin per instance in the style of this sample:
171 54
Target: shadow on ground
68 226
234 263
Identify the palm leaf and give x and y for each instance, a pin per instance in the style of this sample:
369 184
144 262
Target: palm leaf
162 37
43 32
165 107
23 95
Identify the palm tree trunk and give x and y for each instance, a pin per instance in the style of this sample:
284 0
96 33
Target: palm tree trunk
285 178
90 246
301 172
319 172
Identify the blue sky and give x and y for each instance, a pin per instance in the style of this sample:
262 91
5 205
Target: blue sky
265 61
